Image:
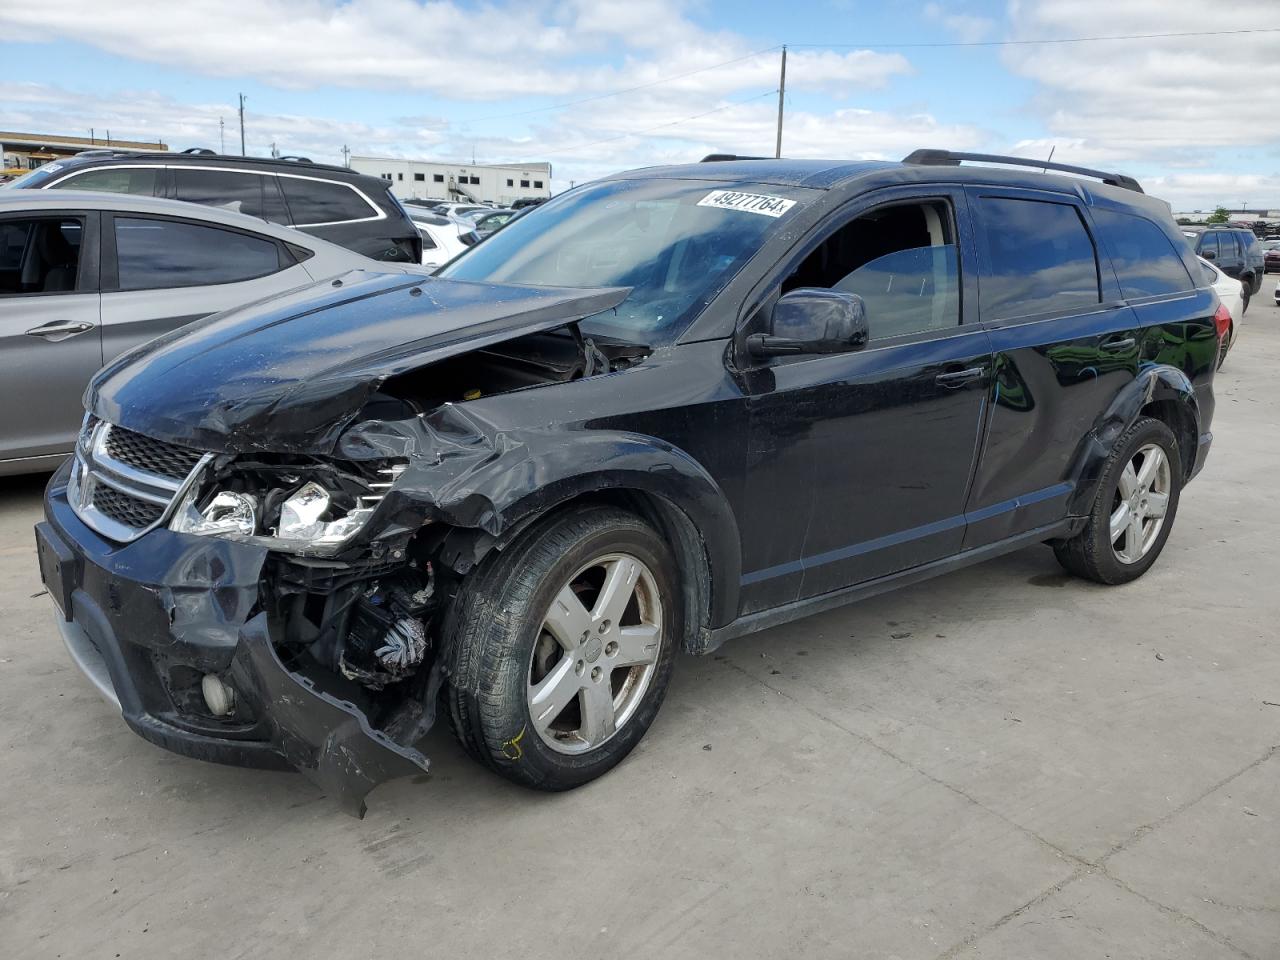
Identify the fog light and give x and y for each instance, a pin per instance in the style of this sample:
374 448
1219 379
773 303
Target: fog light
218 697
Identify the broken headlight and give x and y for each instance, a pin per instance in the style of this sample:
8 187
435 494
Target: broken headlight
284 510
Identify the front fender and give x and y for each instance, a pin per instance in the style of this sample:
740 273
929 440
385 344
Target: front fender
1155 383
496 482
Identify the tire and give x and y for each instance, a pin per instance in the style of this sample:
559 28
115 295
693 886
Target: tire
1093 553
1245 293
516 636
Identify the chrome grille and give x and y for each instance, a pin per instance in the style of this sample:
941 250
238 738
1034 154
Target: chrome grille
155 456
124 508
124 483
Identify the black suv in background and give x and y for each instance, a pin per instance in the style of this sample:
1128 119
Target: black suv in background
662 410
332 203
1235 251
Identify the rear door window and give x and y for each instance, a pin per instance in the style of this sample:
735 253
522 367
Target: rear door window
1145 259
224 189
1039 258
317 202
154 254
138 181
1227 246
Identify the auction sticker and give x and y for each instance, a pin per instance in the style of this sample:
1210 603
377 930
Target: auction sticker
747 202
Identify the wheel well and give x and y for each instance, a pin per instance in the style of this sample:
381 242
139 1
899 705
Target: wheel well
463 549
1180 420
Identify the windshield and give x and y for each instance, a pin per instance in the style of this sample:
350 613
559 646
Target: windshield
676 243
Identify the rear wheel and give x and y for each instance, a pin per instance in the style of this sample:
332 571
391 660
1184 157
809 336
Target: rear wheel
564 647
1246 291
1133 510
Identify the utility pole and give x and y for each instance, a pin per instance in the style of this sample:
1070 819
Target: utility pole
346 155
242 153
222 135
782 92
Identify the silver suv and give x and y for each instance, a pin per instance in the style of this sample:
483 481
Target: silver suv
85 277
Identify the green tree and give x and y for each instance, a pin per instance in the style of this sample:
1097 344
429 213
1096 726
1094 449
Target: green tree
1220 215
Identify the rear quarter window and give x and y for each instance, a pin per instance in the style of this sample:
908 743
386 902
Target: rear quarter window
1145 259
316 202
155 254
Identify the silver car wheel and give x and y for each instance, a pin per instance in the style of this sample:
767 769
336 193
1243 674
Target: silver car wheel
1140 504
596 653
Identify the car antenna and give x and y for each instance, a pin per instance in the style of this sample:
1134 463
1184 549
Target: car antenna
1049 159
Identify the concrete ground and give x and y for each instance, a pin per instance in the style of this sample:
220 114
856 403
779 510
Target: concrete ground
1002 763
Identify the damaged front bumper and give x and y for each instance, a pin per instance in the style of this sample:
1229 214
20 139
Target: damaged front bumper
147 621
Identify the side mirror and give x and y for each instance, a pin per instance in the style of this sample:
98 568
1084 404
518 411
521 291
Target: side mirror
813 320
1209 255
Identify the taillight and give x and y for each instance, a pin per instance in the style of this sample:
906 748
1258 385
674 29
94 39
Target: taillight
1222 321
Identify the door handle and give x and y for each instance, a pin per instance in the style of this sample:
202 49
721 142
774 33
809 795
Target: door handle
1115 346
59 331
958 378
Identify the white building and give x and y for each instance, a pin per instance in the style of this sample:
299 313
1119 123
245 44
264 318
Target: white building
483 182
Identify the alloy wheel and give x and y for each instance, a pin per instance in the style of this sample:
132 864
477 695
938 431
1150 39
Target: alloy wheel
1140 503
595 654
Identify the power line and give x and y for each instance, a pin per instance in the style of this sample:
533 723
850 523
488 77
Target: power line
662 126
618 93
1018 43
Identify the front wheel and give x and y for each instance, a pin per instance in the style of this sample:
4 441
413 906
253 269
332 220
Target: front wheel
1133 510
563 648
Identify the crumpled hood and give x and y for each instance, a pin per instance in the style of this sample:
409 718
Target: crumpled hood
289 373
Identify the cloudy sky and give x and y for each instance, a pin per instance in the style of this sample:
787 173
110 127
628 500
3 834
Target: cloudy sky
598 85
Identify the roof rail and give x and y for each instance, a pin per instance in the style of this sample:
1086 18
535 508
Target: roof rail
948 158
200 151
103 152
295 159
718 157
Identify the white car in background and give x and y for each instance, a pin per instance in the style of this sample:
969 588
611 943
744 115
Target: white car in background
441 237
1231 293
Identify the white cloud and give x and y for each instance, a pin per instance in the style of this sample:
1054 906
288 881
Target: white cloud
568 52
966 27
486 52
1150 100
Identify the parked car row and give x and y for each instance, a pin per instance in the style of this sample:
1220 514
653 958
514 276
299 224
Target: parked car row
669 408
1235 251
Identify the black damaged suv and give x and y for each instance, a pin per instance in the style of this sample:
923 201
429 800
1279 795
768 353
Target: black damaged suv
663 410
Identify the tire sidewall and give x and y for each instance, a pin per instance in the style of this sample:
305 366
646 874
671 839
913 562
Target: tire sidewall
515 741
1144 432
